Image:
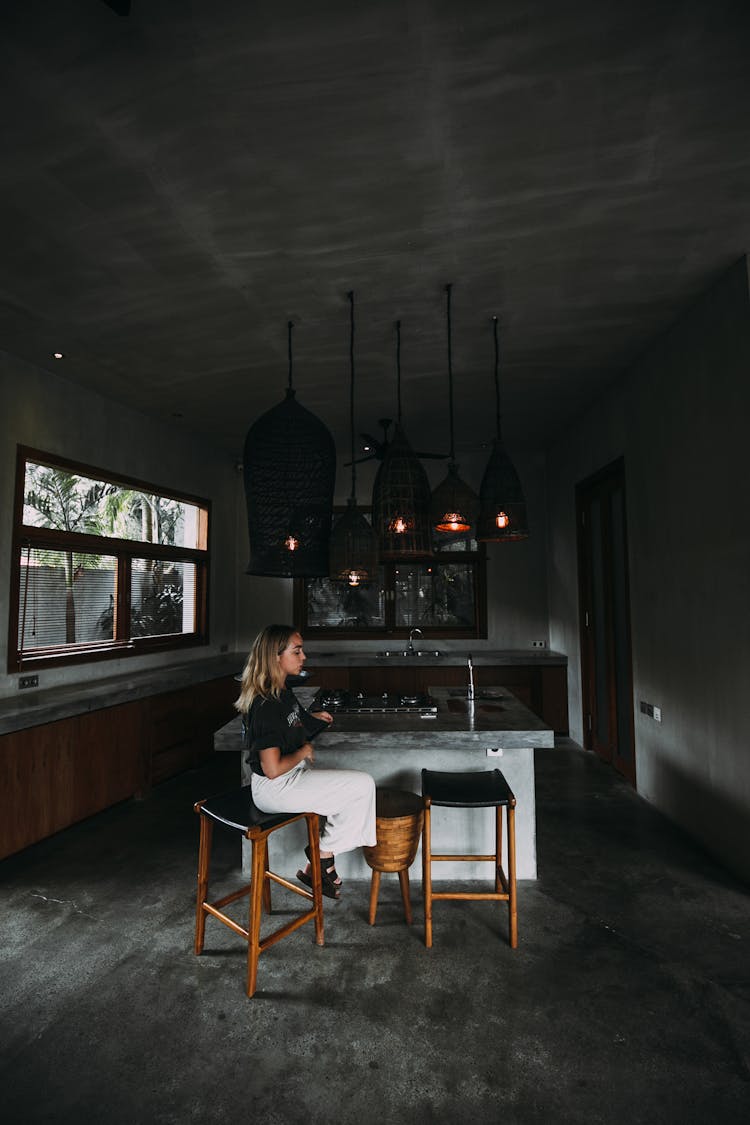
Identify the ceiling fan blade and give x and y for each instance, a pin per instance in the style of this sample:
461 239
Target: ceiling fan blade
369 457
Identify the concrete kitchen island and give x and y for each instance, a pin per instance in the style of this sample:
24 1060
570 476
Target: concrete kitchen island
394 748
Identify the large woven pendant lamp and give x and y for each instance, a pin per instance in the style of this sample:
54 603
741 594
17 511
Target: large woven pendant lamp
454 506
401 494
290 471
502 508
353 547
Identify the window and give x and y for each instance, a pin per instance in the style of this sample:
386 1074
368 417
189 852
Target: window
443 596
102 566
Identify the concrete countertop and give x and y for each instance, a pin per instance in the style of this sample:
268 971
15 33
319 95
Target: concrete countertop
480 657
493 711
496 716
33 707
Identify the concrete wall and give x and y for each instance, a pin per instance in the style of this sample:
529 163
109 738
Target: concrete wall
47 412
679 418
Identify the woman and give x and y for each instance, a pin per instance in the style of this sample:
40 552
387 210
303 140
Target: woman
281 755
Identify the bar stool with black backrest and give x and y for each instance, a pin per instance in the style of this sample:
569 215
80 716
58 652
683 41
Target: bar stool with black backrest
476 790
236 810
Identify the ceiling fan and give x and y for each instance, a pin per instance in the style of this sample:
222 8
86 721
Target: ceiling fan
375 449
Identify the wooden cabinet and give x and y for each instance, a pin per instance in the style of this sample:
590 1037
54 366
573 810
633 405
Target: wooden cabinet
181 726
56 774
542 688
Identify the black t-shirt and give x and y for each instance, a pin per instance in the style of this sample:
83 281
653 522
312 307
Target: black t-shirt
281 722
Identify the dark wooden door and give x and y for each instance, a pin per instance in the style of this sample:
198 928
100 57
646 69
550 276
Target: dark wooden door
606 662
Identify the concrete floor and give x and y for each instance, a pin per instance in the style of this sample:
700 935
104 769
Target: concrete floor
628 999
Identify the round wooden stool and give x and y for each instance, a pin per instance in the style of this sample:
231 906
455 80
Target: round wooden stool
399 817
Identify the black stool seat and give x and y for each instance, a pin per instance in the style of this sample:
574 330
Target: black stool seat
471 790
487 789
237 811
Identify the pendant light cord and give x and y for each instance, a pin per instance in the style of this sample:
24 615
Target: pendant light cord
289 327
398 369
450 369
351 391
497 380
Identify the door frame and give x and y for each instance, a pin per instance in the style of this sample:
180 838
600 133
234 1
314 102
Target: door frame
602 485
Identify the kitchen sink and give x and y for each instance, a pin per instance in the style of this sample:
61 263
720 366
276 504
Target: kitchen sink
409 652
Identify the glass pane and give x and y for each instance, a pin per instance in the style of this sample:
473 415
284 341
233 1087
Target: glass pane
65 598
162 598
447 541
430 596
54 497
334 605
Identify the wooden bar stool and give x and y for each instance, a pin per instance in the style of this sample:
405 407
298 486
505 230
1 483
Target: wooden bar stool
236 810
398 826
486 789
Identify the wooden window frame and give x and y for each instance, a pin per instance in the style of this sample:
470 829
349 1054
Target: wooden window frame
124 550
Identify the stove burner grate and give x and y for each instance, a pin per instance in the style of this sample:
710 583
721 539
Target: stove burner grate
351 703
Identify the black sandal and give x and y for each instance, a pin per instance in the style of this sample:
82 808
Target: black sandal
330 889
327 868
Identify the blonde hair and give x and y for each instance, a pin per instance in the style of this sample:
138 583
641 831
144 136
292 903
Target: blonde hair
262 674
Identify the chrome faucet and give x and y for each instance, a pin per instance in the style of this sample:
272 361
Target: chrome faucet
412 633
470 688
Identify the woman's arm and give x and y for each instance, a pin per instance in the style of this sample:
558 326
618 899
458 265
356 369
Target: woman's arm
276 764
324 716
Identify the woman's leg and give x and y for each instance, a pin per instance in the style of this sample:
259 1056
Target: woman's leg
346 798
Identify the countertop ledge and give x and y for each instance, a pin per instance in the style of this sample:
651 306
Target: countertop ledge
32 708
481 658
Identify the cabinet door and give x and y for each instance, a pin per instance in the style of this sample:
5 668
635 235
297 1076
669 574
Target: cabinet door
183 724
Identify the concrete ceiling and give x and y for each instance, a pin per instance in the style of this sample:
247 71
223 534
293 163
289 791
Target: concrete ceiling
179 183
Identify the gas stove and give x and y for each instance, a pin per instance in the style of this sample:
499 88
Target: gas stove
356 703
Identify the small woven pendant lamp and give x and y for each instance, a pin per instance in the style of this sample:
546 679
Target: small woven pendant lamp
502 507
455 506
353 547
401 494
290 471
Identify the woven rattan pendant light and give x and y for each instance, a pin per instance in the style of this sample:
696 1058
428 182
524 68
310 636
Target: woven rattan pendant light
455 506
401 494
502 508
353 547
289 466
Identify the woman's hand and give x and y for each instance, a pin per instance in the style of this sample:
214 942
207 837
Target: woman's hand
324 716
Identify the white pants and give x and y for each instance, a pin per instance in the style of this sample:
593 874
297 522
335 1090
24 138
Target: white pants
346 798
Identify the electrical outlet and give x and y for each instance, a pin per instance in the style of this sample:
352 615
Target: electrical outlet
494 752
224 648
538 644
28 681
657 714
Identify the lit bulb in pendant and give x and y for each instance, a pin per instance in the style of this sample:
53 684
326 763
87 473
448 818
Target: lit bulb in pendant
398 525
291 543
353 578
501 519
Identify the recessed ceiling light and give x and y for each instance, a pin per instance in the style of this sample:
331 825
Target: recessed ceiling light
59 355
